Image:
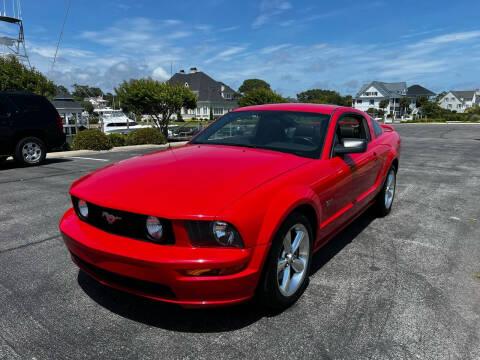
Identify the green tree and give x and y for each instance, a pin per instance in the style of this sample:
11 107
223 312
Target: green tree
320 96
60 89
405 104
372 112
109 98
432 110
14 76
252 84
440 96
384 104
157 99
260 96
88 107
421 101
81 92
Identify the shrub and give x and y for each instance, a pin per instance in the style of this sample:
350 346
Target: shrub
146 136
91 140
65 147
117 140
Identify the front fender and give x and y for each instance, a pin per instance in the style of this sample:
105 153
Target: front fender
282 205
259 214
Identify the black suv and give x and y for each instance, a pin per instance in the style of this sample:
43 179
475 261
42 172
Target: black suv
29 127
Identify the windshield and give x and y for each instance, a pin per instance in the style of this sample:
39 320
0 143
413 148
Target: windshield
299 133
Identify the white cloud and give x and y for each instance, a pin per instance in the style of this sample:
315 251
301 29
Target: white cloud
268 10
178 34
160 74
141 47
272 49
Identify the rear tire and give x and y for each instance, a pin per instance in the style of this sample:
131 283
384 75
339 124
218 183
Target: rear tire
286 270
386 196
30 151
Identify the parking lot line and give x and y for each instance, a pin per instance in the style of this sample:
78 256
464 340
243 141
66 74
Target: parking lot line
86 158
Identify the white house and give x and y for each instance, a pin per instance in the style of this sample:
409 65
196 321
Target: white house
371 94
460 100
213 96
97 102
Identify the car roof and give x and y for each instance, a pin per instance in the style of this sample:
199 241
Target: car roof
315 108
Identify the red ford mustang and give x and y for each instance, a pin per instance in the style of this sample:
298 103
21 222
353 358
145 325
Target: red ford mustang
238 211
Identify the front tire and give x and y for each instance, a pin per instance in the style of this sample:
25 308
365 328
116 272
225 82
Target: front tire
30 151
387 194
287 267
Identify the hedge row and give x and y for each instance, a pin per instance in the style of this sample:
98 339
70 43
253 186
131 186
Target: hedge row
96 140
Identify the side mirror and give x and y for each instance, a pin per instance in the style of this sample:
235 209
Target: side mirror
351 146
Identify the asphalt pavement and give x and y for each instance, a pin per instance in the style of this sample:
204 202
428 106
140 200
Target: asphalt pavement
401 287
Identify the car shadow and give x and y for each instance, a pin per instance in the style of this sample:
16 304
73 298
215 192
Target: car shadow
224 319
170 316
342 239
12 164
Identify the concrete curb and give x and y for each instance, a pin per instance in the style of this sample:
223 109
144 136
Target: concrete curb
62 154
439 123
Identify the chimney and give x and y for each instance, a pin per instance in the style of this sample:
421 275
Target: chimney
182 71
193 70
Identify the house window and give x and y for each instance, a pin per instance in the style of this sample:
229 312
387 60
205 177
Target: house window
449 106
359 101
227 95
459 106
217 111
372 102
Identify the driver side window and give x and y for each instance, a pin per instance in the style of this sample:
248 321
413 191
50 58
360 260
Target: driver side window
352 127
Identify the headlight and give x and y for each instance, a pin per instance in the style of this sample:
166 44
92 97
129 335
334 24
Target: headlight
224 233
82 208
154 228
213 234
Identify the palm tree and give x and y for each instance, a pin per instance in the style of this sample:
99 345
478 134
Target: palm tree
405 104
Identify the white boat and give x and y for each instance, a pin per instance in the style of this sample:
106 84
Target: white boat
115 121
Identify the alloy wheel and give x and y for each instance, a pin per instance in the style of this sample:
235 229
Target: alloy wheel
390 189
292 263
31 152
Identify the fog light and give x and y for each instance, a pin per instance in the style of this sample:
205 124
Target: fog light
214 272
82 208
154 228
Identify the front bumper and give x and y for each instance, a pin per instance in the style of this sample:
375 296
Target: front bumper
155 271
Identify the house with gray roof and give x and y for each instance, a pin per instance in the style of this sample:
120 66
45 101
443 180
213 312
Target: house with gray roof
371 94
460 100
214 97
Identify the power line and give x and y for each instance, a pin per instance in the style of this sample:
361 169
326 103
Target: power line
60 36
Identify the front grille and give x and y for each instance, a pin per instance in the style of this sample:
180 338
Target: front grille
140 286
125 223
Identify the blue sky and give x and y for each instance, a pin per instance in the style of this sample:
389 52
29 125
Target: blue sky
294 45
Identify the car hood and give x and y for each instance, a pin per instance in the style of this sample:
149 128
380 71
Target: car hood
192 181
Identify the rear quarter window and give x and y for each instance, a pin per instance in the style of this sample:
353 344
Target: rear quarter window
377 129
31 103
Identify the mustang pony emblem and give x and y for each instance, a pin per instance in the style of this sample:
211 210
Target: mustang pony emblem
110 218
